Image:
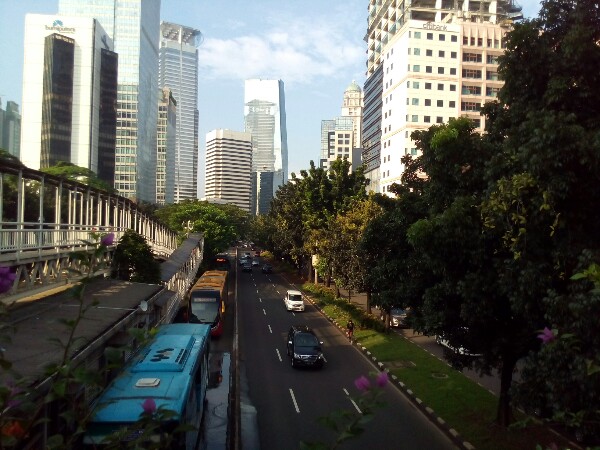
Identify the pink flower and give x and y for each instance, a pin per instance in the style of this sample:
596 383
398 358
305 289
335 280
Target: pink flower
6 279
381 379
149 406
362 383
547 335
108 239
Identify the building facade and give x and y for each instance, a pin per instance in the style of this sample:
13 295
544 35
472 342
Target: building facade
134 27
228 167
178 70
265 120
69 94
341 137
436 61
10 128
166 130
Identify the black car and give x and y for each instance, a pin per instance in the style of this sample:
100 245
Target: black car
267 268
304 348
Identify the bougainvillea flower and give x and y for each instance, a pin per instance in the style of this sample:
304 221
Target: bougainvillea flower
547 335
108 239
149 406
7 277
362 383
381 379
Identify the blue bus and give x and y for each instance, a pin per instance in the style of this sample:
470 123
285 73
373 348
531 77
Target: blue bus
173 371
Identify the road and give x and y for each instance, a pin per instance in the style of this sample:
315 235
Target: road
288 401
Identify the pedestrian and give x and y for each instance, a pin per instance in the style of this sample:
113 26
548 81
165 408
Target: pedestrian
350 329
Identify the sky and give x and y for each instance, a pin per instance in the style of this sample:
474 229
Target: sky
316 47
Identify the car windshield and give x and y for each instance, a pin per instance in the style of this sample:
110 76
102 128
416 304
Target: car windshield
205 311
306 340
295 297
397 312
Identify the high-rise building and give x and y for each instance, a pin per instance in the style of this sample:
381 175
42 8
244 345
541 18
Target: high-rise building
178 70
134 27
228 167
435 62
264 118
10 128
165 147
340 137
69 94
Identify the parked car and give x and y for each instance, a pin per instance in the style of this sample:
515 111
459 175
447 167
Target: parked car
398 317
267 268
444 341
247 267
304 348
293 300
255 263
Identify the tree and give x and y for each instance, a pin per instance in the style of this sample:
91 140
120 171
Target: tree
133 260
83 175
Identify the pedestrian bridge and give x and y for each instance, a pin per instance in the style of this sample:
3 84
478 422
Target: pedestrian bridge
44 219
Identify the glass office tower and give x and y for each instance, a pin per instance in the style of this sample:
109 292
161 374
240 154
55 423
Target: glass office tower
264 118
178 71
134 27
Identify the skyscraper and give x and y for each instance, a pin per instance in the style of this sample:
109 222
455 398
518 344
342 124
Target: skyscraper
69 94
178 70
10 129
427 63
340 137
134 27
165 147
228 167
264 118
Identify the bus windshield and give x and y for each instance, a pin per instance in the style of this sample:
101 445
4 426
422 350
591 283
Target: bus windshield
205 309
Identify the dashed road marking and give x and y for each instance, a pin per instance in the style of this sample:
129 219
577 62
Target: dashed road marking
294 400
270 330
352 401
279 355
264 312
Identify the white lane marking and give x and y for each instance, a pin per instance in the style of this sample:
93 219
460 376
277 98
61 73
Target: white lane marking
350 398
294 400
270 329
279 355
293 314
260 299
279 293
264 312
256 290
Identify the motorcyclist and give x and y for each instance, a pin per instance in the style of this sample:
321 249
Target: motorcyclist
350 329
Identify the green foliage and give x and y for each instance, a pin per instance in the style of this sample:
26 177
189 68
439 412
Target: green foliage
133 260
220 224
83 175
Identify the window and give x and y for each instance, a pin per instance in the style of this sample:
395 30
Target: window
416 68
479 42
408 84
440 70
453 71
413 151
408 52
427 85
471 90
430 36
428 52
465 40
407 100
470 106
442 37
439 120
492 91
472 57
441 53
453 55
492 59
471 73
452 104
415 102
440 86
492 76
415 118
417 51
427 119
440 103
453 38
476 123
415 86
427 102
453 87
417 35
428 69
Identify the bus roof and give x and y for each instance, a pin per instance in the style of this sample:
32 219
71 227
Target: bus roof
160 371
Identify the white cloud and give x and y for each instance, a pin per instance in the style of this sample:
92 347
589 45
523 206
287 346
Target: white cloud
297 50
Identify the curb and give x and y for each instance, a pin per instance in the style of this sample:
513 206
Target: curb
430 413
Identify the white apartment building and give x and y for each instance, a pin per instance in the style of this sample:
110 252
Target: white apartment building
228 170
69 94
436 60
